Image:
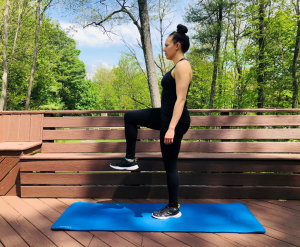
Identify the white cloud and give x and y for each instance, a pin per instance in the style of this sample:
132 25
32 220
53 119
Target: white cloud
106 65
91 69
89 76
94 37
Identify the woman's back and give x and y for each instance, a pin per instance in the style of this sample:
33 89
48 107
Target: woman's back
169 97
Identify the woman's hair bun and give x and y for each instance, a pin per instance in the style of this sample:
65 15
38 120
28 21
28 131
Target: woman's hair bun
181 29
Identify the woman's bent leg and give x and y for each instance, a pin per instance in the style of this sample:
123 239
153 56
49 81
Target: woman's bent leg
170 154
149 118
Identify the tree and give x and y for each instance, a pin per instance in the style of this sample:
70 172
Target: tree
161 12
296 57
5 71
39 16
210 14
105 13
261 57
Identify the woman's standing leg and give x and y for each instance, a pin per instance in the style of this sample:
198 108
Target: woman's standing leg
170 154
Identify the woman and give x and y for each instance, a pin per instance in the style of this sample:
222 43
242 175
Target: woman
172 119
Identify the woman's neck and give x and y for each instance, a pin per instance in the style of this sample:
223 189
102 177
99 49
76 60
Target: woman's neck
177 59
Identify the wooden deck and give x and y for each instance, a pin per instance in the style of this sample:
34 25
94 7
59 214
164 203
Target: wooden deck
27 222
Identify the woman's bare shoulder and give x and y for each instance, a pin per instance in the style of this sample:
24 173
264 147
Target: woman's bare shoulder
183 67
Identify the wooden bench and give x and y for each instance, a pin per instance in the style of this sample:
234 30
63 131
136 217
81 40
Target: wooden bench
219 162
19 135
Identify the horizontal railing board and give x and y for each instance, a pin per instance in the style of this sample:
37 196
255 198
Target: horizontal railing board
158 155
288 193
263 120
18 146
206 147
271 109
160 179
214 165
190 134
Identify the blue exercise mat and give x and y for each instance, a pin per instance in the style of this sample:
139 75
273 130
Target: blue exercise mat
88 216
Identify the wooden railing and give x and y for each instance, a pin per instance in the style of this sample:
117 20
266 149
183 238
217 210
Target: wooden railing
239 156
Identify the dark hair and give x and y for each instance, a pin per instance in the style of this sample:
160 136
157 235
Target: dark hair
181 37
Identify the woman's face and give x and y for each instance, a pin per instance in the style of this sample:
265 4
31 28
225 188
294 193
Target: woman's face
170 48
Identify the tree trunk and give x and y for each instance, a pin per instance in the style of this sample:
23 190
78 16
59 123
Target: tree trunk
148 54
163 66
14 47
238 66
5 70
17 31
295 61
216 57
38 21
261 65
221 72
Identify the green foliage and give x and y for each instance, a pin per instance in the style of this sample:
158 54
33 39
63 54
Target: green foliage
122 87
234 90
59 79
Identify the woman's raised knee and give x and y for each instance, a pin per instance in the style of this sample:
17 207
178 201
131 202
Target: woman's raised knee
127 116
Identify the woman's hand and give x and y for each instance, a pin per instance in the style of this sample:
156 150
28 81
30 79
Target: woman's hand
169 136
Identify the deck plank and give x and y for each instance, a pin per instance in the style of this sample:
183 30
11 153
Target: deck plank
217 239
208 237
274 207
96 242
41 222
274 225
136 238
133 237
57 205
278 217
164 239
23 227
143 239
263 238
8 236
158 237
187 238
82 237
60 207
21 217
292 204
112 238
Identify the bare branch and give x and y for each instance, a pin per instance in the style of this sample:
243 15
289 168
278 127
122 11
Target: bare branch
107 18
133 54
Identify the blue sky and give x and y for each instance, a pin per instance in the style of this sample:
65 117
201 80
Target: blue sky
96 49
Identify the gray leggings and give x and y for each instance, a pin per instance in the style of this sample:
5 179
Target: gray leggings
150 118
